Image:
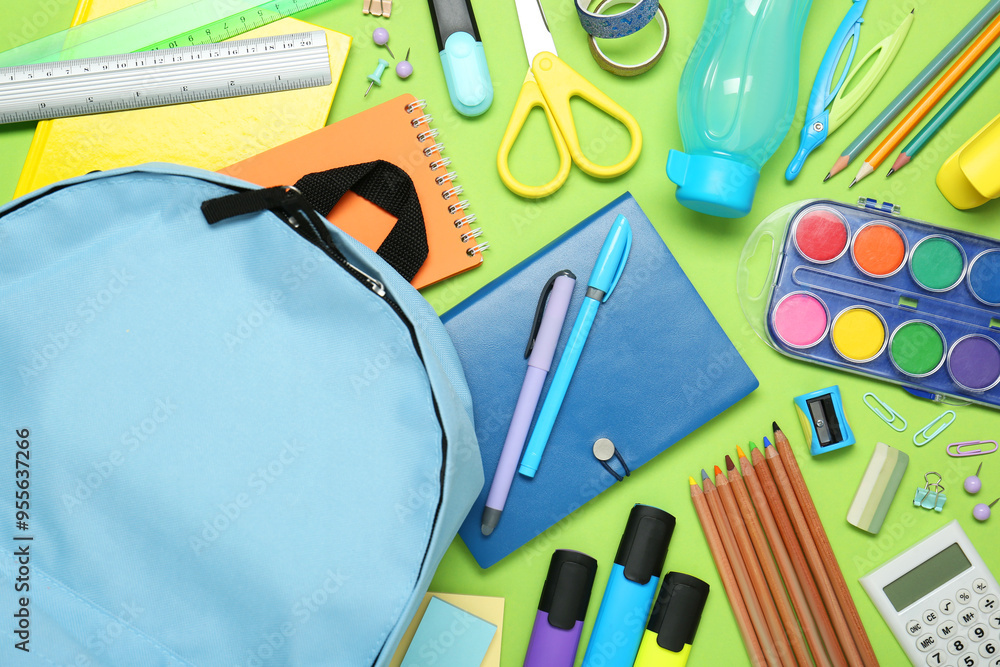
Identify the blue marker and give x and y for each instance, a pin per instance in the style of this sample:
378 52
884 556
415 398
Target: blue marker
462 56
608 269
631 587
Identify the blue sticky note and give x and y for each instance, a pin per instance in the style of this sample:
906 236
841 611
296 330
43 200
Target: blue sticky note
449 637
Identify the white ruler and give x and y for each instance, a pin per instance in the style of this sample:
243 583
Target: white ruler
169 76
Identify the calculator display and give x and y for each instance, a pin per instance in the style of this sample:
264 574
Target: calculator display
924 578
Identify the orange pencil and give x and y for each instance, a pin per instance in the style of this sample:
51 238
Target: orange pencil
930 98
726 574
740 570
792 562
754 569
808 543
823 544
770 568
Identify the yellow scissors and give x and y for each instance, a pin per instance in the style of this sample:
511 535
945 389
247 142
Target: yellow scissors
550 84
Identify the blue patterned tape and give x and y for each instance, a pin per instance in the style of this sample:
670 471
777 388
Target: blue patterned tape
613 26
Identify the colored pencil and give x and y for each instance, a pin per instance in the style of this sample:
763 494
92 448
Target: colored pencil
947 111
794 570
804 534
740 569
930 98
727 575
754 569
907 95
823 544
742 506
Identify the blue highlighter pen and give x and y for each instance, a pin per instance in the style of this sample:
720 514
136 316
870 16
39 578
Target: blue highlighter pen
462 56
631 587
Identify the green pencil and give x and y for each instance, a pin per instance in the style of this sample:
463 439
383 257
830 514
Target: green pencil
946 112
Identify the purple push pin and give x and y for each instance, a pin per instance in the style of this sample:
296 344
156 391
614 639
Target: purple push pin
381 37
982 511
404 69
972 483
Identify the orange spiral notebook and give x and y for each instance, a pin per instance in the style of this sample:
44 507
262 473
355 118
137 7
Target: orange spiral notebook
397 131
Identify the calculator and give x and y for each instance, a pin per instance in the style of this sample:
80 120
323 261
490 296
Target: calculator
940 600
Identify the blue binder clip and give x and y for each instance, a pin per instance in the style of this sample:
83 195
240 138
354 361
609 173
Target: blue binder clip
931 497
823 421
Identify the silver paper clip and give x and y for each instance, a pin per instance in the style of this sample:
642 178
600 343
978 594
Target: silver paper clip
931 497
889 416
925 435
964 448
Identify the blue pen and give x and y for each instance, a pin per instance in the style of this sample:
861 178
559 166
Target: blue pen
604 277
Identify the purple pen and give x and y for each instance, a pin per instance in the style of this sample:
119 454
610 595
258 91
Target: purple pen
549 317
561 611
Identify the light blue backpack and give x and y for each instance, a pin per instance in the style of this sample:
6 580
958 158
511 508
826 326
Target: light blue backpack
244 443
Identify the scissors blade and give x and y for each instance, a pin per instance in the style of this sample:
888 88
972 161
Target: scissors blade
534 29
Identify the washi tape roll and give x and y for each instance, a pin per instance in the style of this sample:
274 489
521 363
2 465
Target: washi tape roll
612 26
622 69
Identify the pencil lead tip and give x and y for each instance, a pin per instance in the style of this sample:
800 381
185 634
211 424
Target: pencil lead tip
767 443
729 463
890 172
739 451
691 481
718 470
827 177
852 184
704 475
775 427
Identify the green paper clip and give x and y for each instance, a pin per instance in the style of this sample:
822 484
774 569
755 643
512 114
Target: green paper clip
889 416
923 436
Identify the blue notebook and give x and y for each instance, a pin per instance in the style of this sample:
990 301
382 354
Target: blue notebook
656 366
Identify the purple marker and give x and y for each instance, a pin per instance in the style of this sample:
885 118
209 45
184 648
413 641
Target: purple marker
549 317
559 621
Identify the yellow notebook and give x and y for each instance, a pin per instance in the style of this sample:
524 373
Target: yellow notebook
209 134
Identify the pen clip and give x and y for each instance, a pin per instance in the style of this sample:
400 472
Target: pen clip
540 308
621 264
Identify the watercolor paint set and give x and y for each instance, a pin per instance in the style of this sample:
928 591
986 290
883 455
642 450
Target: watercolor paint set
863 289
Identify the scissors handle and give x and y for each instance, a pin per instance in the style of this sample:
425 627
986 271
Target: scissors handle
529 98
559 82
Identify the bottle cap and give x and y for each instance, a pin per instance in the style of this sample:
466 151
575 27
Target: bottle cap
566 593
644 543
677 611
713 184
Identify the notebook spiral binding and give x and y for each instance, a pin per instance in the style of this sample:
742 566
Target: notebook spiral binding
446 180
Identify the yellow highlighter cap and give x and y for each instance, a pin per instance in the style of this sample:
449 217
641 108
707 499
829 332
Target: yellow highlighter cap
971 176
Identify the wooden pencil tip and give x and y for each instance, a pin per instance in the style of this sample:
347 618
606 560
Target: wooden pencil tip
704 475
730 466
775 427
840 165
739 451
718 470
767 443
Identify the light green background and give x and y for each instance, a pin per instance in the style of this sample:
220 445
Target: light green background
707 249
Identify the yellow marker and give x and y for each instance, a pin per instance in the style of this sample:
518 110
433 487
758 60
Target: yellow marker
674 621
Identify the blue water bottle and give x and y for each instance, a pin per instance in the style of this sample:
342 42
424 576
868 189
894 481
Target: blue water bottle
628 597
736 101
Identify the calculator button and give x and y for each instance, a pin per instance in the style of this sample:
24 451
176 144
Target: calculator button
914 627
947 630
930 617
994 662
978 633
980 586
967 616
936 658
946 607
995 621
963 596
988 604
956 646
989 649
968 660
926 643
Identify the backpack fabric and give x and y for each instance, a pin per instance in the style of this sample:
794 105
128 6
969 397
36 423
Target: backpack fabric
244 443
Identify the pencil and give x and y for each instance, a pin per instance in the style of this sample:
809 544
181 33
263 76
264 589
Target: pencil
740 570
823 543
794 569
754 569
816 564
939 119
930 98
907 95
742 506
726 574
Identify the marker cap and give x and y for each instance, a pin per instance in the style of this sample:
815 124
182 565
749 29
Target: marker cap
644 543
677 611
566 593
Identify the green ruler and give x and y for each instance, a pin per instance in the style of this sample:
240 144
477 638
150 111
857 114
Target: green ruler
154 24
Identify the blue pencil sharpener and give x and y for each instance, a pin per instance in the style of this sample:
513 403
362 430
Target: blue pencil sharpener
823 421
